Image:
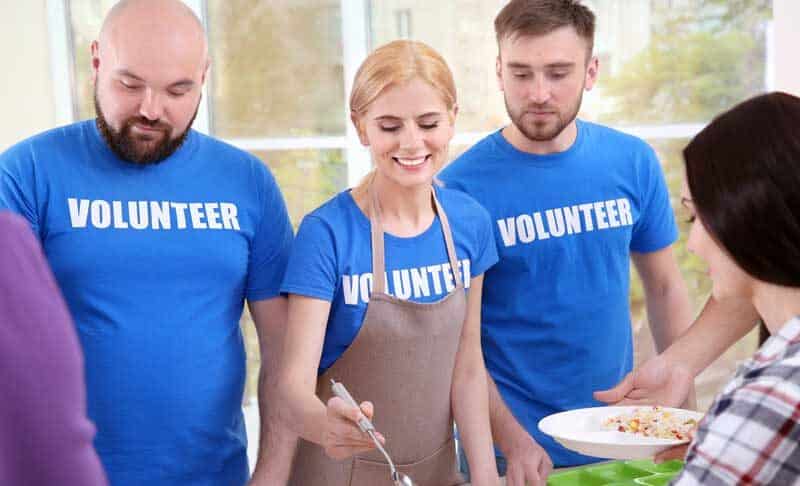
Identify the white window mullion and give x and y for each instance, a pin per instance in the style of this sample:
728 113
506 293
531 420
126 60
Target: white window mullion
61 61
355 40
203 121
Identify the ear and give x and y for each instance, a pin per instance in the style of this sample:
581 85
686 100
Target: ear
362 135
95 48
591 73
498 69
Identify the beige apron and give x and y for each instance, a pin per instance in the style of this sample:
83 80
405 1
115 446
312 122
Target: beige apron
402 360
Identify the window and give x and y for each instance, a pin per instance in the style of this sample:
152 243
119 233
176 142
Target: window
277 71
281 71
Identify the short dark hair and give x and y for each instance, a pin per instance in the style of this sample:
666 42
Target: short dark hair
743 172
540 17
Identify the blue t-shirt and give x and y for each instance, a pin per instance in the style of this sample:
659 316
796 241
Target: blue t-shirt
332 260
556 316
155 262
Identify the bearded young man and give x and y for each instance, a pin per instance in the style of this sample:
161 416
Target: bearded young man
573 202
157 236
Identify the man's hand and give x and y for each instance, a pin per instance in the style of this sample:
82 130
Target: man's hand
527 462
655 382
343 437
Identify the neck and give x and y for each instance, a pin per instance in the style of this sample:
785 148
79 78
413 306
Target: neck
559 143
405 211
776 304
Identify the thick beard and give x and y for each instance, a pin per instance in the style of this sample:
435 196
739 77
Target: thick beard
535 133
125 146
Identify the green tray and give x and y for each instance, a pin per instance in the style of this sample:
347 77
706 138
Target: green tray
619 473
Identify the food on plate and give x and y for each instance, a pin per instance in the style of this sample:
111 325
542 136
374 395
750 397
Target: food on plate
652 422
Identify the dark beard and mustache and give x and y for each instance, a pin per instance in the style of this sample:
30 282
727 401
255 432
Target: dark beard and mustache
127 147
541 133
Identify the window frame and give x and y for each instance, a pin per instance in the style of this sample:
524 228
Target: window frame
356 42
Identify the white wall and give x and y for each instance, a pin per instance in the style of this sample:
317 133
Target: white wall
787 45
26 92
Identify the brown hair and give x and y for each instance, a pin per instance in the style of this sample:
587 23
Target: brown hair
540 17
743 172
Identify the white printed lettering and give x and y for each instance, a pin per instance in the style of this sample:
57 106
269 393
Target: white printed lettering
118 218
525 228
600 215
159 213
543 234
101 214
78 212
625 216
137 212
507 231
212 215
611 210
196 211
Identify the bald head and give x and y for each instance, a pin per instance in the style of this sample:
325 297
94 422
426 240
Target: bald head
157 18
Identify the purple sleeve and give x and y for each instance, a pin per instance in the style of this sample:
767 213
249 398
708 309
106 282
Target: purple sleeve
45 436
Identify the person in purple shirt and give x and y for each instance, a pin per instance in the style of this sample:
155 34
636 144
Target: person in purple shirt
45 436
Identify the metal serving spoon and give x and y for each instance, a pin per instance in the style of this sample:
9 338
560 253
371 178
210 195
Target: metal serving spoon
398 478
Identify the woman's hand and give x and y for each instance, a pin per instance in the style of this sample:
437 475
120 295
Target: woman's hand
343 438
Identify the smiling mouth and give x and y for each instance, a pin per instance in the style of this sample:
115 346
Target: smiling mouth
411 162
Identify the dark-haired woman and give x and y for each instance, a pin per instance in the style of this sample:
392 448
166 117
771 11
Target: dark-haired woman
743 196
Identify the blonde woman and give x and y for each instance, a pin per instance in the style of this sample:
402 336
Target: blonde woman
384 288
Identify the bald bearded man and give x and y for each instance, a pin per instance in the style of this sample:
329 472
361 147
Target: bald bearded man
157 235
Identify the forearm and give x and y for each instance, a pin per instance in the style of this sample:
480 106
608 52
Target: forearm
302 411
668 312
277 441
471 410
505 427
718 327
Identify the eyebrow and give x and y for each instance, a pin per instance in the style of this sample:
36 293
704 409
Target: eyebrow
176 84
522 65
128 74
395 118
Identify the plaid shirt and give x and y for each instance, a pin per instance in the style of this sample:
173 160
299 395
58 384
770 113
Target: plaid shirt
751 433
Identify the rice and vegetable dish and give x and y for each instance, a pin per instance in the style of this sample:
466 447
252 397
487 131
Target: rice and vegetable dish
652 422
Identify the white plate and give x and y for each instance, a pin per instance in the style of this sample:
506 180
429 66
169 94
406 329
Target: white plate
582 431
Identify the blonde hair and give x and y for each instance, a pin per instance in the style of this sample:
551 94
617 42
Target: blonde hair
396 63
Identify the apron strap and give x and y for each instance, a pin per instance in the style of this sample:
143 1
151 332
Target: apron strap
448 239
376 229
378 254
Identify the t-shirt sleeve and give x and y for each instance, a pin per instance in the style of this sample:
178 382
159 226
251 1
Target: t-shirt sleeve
448 177
271 244
486 249
312 269
655 229
16 184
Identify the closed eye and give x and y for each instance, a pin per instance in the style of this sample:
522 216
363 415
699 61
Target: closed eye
130 86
